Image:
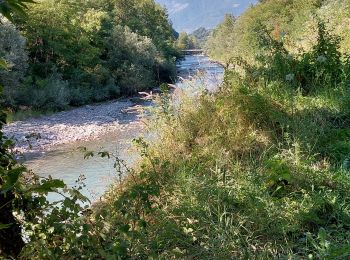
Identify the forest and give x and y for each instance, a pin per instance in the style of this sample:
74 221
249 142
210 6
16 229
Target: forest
256 170
65 53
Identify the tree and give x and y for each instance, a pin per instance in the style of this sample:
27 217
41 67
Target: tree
186 42
201 36
7 9
221 38
12 49
72 38
132 60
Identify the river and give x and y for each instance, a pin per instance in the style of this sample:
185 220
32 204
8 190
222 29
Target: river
67 162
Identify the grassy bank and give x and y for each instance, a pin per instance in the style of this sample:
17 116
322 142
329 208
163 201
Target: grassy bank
13 116
248 173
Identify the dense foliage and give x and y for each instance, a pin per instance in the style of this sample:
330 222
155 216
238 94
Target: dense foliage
293 21
86 51
257 170
195 40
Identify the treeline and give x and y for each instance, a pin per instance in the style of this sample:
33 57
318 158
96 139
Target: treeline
295 22
75 52
195 40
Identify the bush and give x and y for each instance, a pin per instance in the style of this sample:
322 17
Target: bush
132 60
108 91
12 49
295 21
47 94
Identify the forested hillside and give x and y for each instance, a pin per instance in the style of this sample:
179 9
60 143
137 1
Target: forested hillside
72 53
195 40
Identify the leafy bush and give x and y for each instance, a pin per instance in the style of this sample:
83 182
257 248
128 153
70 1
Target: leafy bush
296 21
132 60
12 50
309 71
48 94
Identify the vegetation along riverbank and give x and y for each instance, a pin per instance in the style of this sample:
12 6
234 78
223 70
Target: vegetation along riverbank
70 54
257 170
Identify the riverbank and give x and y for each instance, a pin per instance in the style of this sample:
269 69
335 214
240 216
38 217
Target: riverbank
38 135
91 122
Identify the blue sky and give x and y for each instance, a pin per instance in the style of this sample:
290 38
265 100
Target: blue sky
188 15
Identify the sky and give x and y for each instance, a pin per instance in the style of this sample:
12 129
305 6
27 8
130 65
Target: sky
189 15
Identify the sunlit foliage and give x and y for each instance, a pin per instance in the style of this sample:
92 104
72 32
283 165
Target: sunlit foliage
294 22
72 42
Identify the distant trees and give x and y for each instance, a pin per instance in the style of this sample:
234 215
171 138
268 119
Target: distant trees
201 35
186 41
194 40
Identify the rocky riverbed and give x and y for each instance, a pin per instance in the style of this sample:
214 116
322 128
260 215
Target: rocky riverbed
49 143
46 133
36 135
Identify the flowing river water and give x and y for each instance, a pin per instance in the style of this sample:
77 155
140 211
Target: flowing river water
67 162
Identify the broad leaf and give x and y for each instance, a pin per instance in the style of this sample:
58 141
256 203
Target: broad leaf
48 186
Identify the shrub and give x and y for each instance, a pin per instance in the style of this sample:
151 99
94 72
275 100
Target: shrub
12 49
132 60
47 94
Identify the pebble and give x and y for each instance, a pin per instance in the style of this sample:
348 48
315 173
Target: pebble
80 124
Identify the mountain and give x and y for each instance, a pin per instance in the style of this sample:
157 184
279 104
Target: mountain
188 15
201 35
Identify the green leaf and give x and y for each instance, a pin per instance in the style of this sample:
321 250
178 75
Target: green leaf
49 186
104 154
88 154
11 179
10 7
